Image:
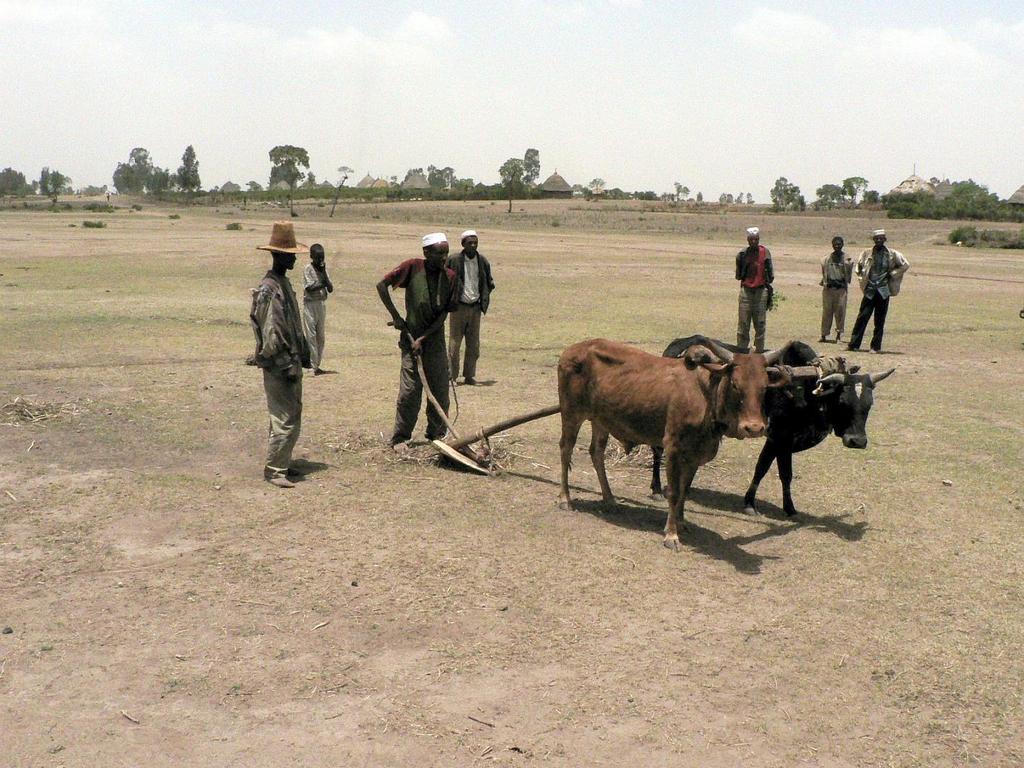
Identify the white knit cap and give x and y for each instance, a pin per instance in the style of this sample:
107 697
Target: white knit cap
468 233
878 232
434 238
751 231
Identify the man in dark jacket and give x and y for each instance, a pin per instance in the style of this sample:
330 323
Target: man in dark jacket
475 286
755 273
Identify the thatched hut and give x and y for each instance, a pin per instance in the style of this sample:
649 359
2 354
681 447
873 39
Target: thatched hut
380 184
415 181
556 186
366 182
943 189
230 186
912 185
1017 198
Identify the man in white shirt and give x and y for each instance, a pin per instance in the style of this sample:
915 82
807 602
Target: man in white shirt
317 285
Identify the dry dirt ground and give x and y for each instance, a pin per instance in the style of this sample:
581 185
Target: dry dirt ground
168 608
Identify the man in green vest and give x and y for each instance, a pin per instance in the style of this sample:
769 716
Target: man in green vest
431 292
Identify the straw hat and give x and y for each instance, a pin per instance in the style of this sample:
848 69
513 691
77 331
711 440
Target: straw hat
282 238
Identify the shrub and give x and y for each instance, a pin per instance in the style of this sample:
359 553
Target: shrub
234 226
99 207
965 235
174 216
136 207
988 238
94 224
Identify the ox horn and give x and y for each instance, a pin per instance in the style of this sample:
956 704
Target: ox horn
877 377
832 378
723 354
773 357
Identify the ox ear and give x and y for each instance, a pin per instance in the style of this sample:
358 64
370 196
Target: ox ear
853 369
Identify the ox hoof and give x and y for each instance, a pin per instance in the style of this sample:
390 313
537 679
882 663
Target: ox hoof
565 505
751 510
672 542
657 495
791 512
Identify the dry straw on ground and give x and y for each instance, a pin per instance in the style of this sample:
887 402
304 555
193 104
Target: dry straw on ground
22 410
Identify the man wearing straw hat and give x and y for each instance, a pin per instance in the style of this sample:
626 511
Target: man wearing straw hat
476 284
281 351
755 273
431 292
880 272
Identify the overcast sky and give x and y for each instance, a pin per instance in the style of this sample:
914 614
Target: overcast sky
723 96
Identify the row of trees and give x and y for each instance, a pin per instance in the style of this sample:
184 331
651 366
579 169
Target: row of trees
139 175
519 176
51 183
966 200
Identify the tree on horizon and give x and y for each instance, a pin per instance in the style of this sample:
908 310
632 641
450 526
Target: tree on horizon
187 176
287 160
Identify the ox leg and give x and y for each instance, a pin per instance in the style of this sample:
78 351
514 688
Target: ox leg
680 476
656 489
598 444
786 476
764 463
570 431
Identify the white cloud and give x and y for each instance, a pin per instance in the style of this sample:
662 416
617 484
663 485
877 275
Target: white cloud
1006 40
924 47
425 31
417 34
44 12
781 29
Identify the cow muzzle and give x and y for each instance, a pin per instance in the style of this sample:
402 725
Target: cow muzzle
750 429
855 441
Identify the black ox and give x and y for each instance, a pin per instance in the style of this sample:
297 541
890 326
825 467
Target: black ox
800 415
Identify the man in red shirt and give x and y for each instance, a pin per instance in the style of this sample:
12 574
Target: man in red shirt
431 292
755 273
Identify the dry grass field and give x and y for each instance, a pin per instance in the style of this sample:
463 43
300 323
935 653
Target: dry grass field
167 607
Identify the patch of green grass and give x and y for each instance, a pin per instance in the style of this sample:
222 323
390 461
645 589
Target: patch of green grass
99 207
174 216
234 226
94 224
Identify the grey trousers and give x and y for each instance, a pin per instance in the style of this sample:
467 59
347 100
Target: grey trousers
410 390
314 318
464 323
753 307
833 305
284 401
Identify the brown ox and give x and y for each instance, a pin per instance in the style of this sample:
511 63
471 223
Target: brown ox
684 405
